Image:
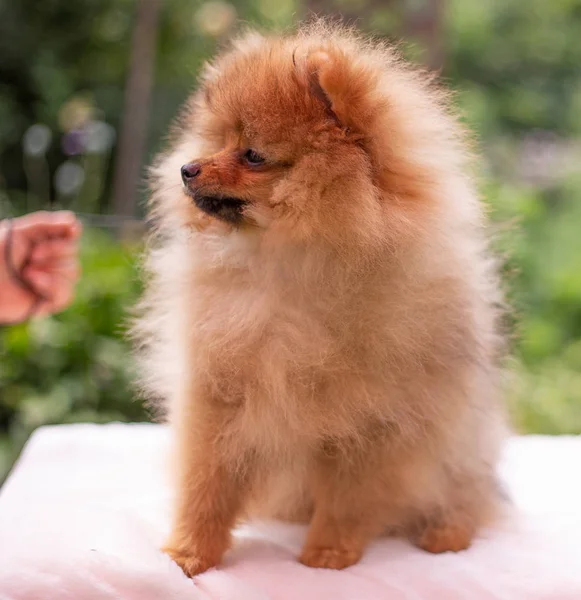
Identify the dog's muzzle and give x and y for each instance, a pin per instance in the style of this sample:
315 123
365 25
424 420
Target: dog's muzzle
227 208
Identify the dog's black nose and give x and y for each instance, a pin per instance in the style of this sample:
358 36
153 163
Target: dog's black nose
190 171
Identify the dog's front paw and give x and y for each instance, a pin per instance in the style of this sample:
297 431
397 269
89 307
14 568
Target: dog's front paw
189 562
328 558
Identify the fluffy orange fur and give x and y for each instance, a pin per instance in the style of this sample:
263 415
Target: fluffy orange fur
326 345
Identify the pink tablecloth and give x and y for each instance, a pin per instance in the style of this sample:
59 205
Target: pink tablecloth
85 510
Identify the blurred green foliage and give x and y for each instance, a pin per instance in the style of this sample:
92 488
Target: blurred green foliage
515 67
539 238
517 64
74 366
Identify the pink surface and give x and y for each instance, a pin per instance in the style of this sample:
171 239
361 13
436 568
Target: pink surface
85 510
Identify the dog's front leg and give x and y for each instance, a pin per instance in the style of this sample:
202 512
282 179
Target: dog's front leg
211 488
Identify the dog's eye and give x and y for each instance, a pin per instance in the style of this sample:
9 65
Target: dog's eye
253 158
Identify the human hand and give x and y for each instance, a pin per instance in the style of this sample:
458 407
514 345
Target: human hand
43 254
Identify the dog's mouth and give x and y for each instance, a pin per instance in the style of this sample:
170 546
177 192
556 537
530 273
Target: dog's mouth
226 208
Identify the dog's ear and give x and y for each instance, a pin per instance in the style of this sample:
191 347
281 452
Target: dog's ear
315 63
347 90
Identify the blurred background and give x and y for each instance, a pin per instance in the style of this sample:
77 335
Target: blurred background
88 88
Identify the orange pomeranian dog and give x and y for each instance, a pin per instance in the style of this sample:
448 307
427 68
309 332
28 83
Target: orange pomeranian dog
321 315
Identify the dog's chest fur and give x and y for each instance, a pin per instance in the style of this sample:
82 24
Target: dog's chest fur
272 339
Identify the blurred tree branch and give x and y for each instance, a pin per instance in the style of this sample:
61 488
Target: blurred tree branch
423 21
134 127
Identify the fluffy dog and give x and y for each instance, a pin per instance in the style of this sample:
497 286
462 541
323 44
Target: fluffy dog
321 316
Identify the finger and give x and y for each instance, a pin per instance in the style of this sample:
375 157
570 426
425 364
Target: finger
42 217
41 282
54 305
46 224
70 273
63 291
55 288
47 279
48 250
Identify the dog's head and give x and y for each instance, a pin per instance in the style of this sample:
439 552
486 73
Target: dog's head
292 136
